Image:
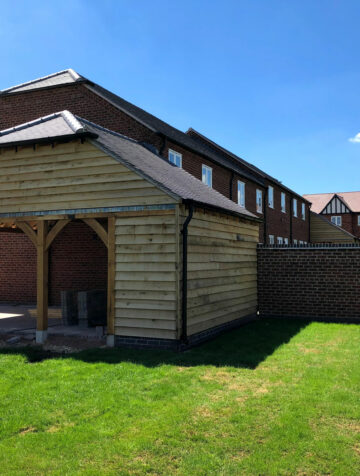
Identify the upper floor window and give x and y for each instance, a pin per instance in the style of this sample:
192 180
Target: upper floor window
283 202
336 220
271 197
303 211
295 242
241 193
295 207
259 205
207 175
286 241
280 240
271 239
175 158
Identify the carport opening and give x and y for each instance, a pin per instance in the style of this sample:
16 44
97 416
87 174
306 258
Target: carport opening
78 263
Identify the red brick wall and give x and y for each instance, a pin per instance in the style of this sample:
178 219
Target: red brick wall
77 260
309 282
17 268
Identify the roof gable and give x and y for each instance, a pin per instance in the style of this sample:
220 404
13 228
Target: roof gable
174 181
60 78
321 202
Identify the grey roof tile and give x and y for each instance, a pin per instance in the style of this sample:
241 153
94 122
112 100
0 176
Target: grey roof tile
66 76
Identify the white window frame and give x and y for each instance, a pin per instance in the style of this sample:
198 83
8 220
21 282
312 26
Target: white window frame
271 240
301 242
280 240
206 172
176 155
295 207
271 196
295 242
241 193
337 221
286 241
283 202
303 212
259 203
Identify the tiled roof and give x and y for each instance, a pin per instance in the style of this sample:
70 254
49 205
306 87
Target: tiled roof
61 124
252 168
320 200
173 180
217 154
56 79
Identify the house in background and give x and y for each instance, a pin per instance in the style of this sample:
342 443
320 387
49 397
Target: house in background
341 209
285 214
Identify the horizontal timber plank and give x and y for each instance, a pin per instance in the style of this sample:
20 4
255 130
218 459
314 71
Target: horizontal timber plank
136 332
201 326
146 323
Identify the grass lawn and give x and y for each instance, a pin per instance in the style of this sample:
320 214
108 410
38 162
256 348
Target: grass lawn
274 397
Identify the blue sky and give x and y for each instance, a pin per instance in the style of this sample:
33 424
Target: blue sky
276 82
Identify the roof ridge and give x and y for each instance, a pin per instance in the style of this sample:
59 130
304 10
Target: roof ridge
68 117
73 74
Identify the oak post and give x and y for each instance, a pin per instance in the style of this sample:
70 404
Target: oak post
42 282
111 283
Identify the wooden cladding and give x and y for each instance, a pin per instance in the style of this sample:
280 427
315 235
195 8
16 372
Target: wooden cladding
146 265
70 176
222 276
323 231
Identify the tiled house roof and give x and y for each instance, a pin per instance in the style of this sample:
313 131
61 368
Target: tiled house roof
320 200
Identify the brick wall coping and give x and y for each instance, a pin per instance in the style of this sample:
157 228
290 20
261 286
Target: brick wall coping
310 246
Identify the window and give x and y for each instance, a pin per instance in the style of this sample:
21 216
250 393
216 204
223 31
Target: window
241 193
271 239
336 220
283 202
259 201
295 207
295 242
207 175
301 242
175 158
271 197
286 241
303 211
279 240
359 220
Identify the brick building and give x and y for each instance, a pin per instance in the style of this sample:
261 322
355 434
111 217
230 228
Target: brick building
285 214
341 209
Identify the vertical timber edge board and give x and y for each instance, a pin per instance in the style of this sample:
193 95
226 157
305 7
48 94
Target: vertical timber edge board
42 283
110 339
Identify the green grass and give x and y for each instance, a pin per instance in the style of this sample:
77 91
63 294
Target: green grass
274 397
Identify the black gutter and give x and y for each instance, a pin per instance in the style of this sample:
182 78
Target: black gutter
291 218
184 231
49 140
231 185
264 214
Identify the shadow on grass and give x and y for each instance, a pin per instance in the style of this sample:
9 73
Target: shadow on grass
245 347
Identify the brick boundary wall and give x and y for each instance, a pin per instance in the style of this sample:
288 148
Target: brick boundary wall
319 282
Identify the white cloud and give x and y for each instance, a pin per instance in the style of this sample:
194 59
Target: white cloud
356 138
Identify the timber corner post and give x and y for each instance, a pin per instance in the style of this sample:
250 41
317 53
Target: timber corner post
42 283
110 337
